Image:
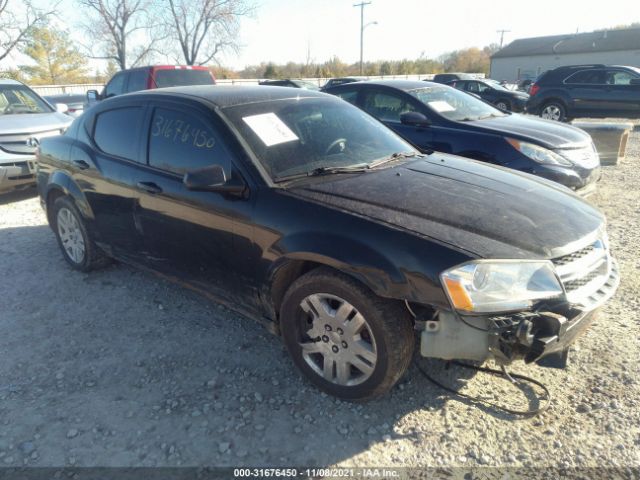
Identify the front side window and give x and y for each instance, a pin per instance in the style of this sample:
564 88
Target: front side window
587 77
295 136
619 77
350 96
180 142
115 86
453 104
473 87
386 107
117 132
18 99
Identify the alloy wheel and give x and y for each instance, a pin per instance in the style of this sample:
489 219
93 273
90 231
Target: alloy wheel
71 235
551 112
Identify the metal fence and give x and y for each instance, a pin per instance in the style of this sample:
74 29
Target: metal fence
82 88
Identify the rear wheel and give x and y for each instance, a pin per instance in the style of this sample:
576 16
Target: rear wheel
344 339
553 111
74 240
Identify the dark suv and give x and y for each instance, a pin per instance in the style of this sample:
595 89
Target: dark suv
586 91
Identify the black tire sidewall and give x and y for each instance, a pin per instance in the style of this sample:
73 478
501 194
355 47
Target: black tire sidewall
59 204
290 314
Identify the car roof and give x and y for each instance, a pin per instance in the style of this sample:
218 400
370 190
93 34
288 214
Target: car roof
9 81
231 95
405 85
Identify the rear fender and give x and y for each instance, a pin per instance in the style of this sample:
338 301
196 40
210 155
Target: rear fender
62 181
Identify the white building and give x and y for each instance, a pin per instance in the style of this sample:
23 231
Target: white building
528 57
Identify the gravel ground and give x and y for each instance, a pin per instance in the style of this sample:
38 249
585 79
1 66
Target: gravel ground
120 368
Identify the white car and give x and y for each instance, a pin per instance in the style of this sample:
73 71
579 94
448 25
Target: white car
25 118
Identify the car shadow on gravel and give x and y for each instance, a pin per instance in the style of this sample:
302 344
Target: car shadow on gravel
120 368
18 195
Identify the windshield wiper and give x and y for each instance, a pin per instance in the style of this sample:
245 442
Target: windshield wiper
316 172
393 156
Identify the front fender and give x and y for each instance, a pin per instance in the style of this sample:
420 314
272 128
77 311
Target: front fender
348 255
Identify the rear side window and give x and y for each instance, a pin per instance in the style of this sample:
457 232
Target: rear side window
587 77
180 142
137 80
117 132
181 77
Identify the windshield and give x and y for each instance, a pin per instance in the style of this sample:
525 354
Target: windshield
182 77
291 137
15 99
454 104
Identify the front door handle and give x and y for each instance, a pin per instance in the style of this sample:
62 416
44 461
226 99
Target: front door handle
81 164
149 187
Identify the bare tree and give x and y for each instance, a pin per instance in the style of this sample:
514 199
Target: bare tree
17 21
114 25
205 28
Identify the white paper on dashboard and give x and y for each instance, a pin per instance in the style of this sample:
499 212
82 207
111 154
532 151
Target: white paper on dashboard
441 106
270 129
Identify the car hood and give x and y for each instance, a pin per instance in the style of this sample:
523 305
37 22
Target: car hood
25 123
547 133
488 211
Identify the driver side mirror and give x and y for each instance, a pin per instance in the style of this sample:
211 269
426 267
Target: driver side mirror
415 119
92 96
211 179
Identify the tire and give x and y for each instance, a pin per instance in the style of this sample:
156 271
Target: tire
554 110
78 248
503 104
356 344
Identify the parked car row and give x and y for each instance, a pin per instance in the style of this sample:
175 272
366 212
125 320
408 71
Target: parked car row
306 213
437 117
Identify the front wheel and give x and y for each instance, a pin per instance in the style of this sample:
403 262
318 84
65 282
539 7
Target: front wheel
503 105
346 340
554 111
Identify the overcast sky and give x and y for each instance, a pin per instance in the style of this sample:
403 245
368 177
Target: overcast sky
281 30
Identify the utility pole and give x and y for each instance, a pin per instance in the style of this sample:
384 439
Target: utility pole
362 25
502 32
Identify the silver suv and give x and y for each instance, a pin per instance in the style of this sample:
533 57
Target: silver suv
25 118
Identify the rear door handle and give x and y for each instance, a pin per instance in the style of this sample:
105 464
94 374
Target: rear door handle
149 187
81 164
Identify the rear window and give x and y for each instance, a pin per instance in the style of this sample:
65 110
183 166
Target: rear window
117 132
182 77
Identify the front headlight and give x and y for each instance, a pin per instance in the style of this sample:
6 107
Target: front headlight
537 153
500 285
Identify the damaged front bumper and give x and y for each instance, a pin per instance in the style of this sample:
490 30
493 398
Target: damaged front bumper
542 336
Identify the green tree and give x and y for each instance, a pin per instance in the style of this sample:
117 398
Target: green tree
57 60
270 71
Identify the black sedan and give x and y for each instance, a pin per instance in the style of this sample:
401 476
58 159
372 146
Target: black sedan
494 93
438 117
302 211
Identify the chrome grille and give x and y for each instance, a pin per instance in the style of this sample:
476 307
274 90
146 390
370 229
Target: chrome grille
17 143
589 275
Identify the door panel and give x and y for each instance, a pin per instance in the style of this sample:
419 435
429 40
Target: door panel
193 235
